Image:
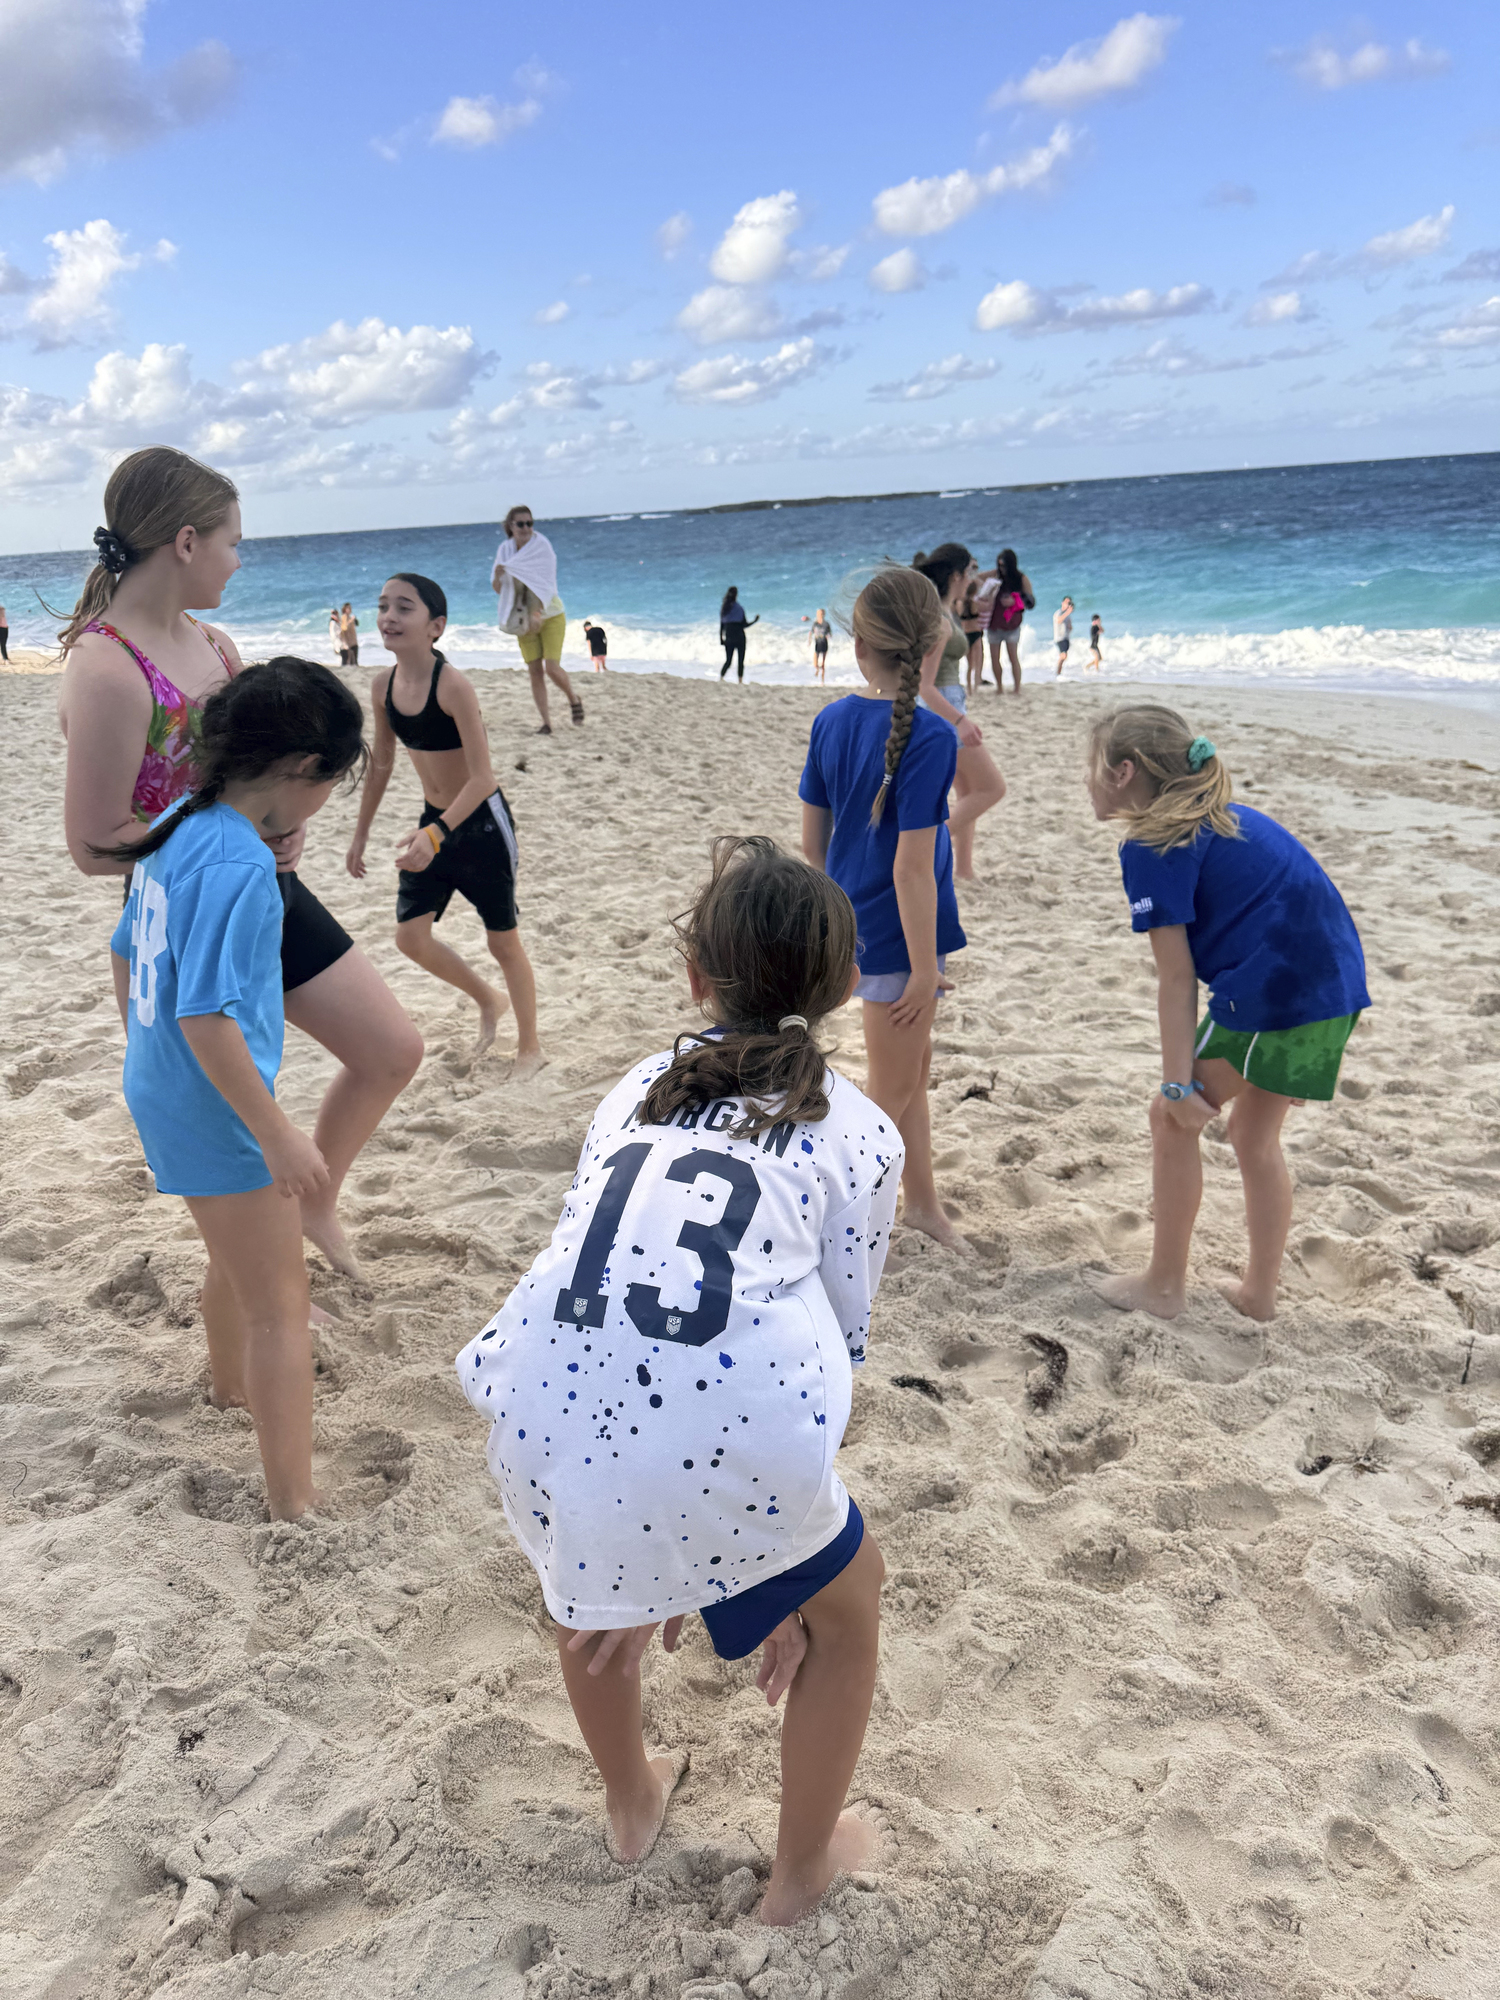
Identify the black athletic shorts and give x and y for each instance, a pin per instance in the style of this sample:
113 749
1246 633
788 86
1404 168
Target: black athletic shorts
312 938
478 859
1062 645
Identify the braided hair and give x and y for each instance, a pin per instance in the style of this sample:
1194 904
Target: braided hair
287 708
900 615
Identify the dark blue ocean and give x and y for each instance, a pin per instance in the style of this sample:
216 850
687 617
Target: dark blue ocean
1379 576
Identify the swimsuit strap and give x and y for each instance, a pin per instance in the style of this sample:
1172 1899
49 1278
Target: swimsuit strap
162 690
229 669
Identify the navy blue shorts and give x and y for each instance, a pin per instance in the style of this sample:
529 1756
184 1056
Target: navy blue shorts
738 1624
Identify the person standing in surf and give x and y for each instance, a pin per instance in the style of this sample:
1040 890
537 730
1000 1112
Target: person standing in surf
138 668
524 578
465 839
733 625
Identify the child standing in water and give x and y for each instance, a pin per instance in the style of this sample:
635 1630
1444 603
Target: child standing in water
874 814
669 1383
465 838
197 967
1228 897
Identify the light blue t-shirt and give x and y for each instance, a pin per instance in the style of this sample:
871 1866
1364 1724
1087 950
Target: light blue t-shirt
202 932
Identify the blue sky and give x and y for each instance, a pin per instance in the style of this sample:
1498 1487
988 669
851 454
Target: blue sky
392 266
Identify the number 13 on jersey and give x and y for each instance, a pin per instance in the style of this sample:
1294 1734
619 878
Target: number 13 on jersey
584 1301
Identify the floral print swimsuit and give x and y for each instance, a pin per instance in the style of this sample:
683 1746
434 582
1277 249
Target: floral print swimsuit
172 736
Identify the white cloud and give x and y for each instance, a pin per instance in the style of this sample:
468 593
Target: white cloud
902 271
821 262
1479 327
1481 264
728 312
754 246
671 238
472 122
126 395
554 314
733 380
1169 358
349 373
1321 63
1117 61
72 303
1386 252
73 81
936 379
1020 308
1277 309
924 207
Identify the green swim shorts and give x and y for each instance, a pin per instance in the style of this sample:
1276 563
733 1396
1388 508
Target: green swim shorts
1292 1062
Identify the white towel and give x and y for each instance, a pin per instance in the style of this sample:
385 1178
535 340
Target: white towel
534 565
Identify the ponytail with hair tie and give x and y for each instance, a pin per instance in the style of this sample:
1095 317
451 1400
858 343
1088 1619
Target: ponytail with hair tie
115 554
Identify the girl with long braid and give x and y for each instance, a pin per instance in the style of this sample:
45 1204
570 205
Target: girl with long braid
874 811
197 969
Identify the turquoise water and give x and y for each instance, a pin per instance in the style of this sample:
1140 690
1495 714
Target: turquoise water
1380 576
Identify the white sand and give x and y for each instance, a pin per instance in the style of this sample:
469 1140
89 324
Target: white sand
1189 1680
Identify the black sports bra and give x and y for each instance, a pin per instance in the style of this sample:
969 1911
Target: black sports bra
431 728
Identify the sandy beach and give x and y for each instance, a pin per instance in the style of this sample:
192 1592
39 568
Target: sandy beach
1189 1681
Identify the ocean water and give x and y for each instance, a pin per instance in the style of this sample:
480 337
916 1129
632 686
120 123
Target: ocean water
1382 576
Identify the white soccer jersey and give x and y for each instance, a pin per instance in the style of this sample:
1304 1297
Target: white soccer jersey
670 1381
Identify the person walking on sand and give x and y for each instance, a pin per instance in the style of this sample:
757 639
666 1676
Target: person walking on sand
819 634
1062 632
1096 633
4 634
733 625
977 781
874 810
137 669
1012 599
598 645
349 636
525 580
196 958
667 1386
465 838
1229 897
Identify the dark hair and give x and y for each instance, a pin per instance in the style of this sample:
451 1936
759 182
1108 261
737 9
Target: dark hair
729 596
948 560
266 714
429 592
1008 570
772 936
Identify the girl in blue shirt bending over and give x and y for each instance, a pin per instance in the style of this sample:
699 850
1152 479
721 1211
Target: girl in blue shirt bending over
1229 898
197 967
874 811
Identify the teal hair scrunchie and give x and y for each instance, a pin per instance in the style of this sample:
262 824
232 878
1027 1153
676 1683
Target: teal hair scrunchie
1199 752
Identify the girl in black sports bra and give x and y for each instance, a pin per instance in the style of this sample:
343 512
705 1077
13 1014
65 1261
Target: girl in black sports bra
465 838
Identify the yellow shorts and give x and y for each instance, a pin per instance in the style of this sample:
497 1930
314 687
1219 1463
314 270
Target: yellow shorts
547 644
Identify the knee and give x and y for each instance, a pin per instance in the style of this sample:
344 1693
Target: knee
401 1056
1254 1145
409 945
1160 1119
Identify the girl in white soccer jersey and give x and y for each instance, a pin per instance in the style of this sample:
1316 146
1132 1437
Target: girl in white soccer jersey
669 1383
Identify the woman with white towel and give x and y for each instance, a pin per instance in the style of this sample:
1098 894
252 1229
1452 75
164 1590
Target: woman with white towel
525 580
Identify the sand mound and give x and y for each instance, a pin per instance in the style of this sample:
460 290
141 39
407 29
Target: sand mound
1189 1681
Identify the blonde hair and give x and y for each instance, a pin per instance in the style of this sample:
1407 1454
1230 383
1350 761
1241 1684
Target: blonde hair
151 497
899 615
1185 799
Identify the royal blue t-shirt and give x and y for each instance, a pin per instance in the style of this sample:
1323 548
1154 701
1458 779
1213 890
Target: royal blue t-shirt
202 932
845 764
1269 933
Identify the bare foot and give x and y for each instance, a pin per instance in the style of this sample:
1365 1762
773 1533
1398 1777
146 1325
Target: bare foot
1135 1293
1251 1304
932 1222
491 1012
635 1823
322 1228
789 1896
317 1317
528 1063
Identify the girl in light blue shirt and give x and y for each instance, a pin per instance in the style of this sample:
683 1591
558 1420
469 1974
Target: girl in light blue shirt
197 968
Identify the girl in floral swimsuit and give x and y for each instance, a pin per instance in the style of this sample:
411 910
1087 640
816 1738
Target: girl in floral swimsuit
139 668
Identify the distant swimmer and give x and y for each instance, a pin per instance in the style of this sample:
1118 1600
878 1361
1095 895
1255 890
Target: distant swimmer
1062 632
465 838
525 580
821 629
1096 633
733 625
598 645
1012 599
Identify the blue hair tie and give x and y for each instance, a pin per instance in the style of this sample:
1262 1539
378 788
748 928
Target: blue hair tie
1199 752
